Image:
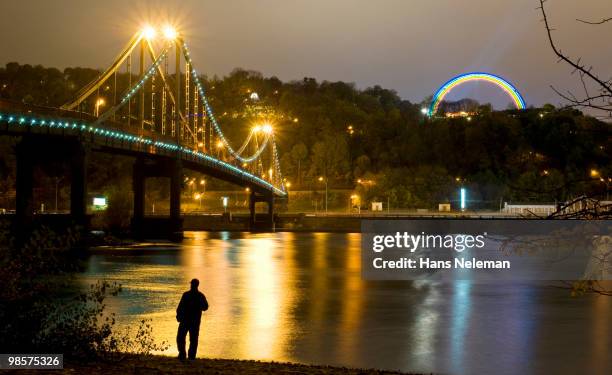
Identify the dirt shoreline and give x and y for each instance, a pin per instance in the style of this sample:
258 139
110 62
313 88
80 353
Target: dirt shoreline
135 364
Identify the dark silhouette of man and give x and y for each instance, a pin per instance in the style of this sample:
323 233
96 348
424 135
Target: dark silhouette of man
189 314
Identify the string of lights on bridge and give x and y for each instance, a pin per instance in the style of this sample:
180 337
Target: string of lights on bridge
35 121
267 129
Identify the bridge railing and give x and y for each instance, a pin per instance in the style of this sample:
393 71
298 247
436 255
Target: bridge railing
16 107
146 141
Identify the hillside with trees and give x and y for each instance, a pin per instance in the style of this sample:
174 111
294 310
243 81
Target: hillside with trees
346 135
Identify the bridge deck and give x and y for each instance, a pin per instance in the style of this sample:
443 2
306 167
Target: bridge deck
113 137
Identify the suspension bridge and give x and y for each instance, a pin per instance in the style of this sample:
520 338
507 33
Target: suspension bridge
164 119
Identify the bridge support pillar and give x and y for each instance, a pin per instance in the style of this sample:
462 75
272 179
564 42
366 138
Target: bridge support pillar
255 222
153 227
24 187
138 186
78 184
175 190
32 151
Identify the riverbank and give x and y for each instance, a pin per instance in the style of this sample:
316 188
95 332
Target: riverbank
319 222
138 364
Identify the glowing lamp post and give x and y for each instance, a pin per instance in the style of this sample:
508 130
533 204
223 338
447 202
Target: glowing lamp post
198 197
219 147
354 199
99 103
321 179
225 201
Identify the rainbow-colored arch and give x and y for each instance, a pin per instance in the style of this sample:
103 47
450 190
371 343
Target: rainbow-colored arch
516 96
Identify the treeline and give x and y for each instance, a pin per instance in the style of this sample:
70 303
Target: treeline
346 135
385 148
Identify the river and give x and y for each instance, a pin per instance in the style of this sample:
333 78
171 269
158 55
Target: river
300 297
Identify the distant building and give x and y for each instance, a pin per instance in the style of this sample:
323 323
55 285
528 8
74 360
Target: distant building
459 114
444 207
463 105
529 209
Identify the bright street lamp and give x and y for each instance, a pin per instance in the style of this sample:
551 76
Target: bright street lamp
100 102
266 128
170 32
607 182
148 32
321 179
198 197
219 147
352 198
203 183
225 202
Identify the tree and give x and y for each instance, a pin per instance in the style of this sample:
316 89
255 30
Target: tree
597 91
299 153
597 96
363 164
330 157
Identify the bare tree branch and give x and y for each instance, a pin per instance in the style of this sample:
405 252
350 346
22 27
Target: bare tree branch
586 74
595 22
587 102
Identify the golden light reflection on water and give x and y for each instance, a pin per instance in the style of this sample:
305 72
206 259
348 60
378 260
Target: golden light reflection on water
352 307
300 297
248 282
318 281
264 298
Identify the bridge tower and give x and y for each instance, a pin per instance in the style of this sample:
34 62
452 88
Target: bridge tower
174 130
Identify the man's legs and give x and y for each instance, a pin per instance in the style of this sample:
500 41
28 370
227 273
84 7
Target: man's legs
194 331
180 340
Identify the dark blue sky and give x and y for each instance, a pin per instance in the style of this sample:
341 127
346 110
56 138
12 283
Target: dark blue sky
412 46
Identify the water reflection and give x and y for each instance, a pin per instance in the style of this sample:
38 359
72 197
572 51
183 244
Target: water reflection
300 297
461 303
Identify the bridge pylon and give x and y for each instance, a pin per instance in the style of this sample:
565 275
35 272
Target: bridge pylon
35 150
172 127
170 227
261 222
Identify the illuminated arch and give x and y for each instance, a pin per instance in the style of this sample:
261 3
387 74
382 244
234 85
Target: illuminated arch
475 76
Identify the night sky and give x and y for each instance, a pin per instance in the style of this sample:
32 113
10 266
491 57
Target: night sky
412 46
